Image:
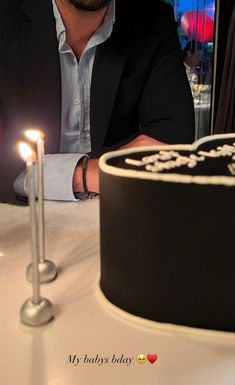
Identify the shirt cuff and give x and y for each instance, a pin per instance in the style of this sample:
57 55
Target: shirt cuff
58 177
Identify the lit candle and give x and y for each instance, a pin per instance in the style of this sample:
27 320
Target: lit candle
47 269
38 137
29 157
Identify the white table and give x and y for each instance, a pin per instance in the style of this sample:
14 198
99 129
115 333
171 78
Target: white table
85 325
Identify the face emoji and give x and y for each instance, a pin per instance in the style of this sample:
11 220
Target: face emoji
141 359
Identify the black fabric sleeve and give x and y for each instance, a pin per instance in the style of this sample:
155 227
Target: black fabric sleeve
166 109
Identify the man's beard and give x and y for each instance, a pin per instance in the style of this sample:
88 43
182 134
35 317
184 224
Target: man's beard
89 5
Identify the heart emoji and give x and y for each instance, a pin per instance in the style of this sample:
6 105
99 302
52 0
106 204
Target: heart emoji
152 358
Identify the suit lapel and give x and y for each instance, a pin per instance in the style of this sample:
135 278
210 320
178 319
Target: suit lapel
107 72
38 45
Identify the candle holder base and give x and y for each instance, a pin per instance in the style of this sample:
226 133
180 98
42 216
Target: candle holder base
47 271
32 314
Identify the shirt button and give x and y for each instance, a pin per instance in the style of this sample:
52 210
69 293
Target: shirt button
77 102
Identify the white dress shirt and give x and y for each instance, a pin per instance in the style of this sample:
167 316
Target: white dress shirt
75 114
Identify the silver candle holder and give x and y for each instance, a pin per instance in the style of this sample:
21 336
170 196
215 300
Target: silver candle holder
36 311
47 268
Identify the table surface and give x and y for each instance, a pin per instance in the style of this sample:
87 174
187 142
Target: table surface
85 328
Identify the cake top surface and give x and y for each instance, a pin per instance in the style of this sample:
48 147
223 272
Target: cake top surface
210 160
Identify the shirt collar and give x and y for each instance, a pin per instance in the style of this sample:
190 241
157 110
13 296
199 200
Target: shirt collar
60 28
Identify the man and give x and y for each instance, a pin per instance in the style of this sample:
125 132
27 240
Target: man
196 63
192 54
94 75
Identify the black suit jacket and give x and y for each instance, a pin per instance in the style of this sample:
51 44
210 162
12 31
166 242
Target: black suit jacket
138 79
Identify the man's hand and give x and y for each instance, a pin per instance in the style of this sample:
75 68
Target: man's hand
92 174
141 141
92 177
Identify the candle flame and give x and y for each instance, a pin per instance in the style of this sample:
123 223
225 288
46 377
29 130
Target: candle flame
26 152
34 135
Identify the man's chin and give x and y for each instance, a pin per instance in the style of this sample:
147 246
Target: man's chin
89 5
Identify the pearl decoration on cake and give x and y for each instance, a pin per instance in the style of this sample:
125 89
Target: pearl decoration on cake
224 150
168 160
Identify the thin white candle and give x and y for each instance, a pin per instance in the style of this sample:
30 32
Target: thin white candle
28 155
41 218
37 137
47 268
34 231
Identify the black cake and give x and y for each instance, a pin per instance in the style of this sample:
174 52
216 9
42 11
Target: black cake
168 232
